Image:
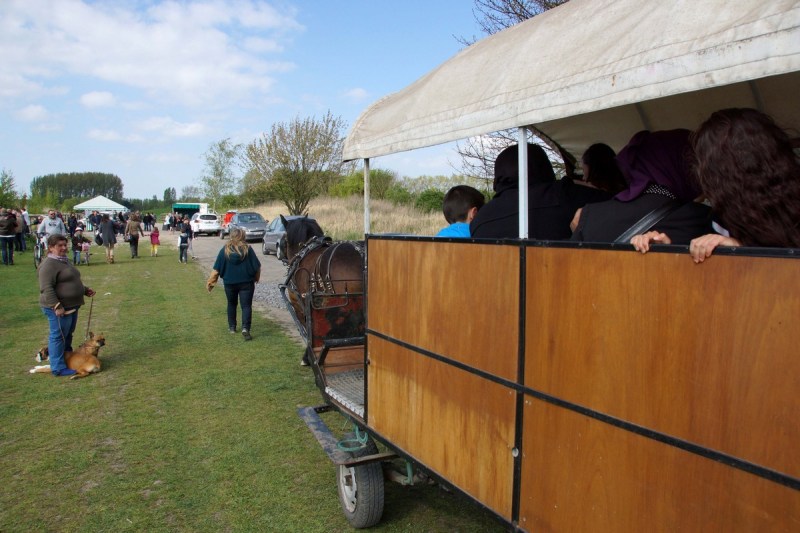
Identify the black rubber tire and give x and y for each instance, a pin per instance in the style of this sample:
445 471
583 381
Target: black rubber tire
37 257
361 490
264 248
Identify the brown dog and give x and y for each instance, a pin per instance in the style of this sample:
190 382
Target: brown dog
83 361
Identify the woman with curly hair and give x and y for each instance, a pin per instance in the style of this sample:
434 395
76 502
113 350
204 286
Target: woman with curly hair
746 167
240 269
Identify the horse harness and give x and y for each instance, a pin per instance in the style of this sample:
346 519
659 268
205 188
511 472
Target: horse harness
320 279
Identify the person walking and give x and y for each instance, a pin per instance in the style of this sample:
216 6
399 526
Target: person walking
238 266
107 233
133 231
61 294
154 241
8 232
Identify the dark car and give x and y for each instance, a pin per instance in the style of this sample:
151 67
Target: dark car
275 232
253 224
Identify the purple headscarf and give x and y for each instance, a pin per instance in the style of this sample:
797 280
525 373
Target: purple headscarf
661 157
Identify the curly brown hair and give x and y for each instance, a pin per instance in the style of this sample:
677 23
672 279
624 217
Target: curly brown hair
746 167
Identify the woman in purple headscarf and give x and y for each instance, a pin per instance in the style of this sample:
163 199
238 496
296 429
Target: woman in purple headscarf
747 168
656 166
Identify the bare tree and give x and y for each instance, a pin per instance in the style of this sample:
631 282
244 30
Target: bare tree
298 159
478 153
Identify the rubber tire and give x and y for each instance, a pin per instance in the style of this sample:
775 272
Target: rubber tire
264 248
37 257
364 508
221 235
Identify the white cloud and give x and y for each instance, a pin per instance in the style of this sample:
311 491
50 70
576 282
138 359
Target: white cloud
32 113
195 53
356 94
113 136
172 128
98 99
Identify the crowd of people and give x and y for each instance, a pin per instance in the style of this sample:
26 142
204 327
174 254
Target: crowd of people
735 181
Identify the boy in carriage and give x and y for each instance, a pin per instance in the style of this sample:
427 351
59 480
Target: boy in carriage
460 205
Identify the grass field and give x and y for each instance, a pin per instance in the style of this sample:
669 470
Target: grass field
187 428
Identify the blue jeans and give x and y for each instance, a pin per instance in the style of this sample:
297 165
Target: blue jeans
182 256
60 339
244 293
7 243
76 257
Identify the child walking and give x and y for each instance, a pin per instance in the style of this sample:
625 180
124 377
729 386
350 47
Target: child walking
183 245
78 240
154 242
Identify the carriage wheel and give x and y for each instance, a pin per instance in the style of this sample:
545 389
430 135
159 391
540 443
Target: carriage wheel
361 488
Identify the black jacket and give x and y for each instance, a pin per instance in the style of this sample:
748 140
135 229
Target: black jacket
606 221
551 207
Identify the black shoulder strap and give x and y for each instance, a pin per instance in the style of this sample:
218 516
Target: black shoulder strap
648 221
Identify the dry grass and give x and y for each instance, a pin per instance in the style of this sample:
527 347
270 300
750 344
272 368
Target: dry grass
343 218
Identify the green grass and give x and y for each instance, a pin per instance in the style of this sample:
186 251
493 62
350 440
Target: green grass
187 428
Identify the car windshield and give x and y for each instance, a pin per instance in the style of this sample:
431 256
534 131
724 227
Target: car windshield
250 217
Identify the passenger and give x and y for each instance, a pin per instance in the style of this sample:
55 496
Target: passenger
551 203
657 166
600 169
747 168
460 205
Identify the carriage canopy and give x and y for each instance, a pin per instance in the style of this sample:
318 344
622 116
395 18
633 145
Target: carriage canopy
599 70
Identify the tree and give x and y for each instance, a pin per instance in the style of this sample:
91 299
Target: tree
78 185
170 196
299 159
191 193
380 180
8 189
218 177
478 153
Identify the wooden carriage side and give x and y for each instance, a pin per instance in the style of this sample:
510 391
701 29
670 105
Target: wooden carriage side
587 389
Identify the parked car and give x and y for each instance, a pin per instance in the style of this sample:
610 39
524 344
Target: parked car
274 234
207 223
226 220
253 224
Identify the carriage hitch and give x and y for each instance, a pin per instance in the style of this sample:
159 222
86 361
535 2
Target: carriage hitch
329 443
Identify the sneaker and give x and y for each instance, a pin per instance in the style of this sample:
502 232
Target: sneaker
65 372
232 329
246 335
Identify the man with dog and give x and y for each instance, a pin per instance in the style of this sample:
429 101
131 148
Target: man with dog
61 294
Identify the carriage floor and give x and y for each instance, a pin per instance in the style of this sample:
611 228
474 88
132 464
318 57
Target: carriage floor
347 388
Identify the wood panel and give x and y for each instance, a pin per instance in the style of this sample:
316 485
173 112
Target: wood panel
459 300
707 353
457 424
579 474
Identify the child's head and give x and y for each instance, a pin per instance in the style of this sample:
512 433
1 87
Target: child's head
461 203
154 230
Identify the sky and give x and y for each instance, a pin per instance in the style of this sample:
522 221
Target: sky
142 89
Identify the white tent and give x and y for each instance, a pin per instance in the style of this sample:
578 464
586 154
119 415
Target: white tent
102 204
599 70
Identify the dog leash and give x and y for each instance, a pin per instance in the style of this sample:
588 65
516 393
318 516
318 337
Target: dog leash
89 321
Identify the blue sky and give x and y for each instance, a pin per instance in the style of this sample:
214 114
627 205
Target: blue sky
142 89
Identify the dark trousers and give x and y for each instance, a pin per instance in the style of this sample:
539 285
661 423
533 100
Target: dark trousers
244 293
7 244
134 242
182 250
19 242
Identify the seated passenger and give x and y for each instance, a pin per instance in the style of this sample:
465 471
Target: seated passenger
656 166
460 205
600 169
551 203
746 167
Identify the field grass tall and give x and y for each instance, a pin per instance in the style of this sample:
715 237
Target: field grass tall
187 428
343 218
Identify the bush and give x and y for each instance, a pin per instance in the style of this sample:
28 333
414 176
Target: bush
397 194
430 200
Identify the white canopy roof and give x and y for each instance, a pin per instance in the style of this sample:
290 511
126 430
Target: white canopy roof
100 203
598 71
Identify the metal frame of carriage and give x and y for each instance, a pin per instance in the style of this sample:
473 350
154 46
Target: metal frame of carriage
582 387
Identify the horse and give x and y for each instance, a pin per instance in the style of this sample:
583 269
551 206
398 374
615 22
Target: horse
322 269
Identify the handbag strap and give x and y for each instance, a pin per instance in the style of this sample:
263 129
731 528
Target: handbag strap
648 221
